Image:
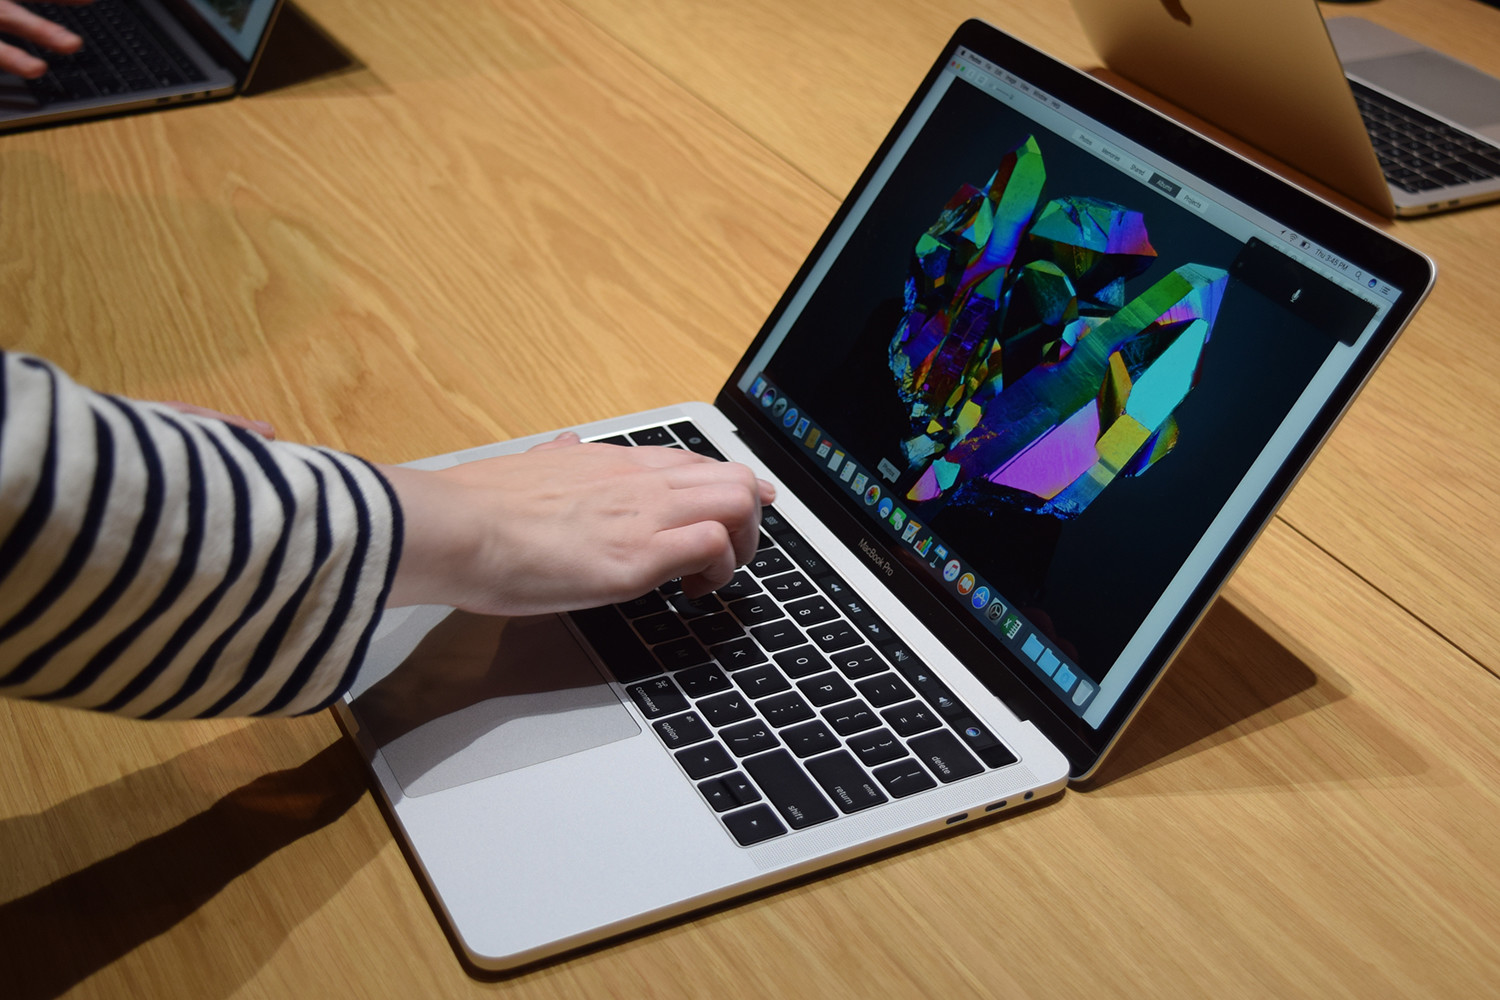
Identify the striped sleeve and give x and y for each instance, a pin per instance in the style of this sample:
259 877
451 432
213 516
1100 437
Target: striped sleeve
159 565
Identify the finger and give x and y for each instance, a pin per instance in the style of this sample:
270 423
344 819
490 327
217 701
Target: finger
22 23
564 440
700 554
658 457
22 64
730 505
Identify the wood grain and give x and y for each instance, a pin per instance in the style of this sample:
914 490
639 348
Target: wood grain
508 216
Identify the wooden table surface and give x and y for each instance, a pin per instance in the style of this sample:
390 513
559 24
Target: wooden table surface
507 216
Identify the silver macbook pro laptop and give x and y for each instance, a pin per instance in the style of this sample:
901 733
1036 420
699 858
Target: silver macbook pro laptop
1042 381
1396 126
139 54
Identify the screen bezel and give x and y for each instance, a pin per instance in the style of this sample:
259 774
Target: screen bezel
1330 227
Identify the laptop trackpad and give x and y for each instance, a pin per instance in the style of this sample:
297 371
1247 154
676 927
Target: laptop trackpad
480 696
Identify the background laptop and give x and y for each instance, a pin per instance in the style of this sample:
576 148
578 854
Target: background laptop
139 54
1049 371
1268 72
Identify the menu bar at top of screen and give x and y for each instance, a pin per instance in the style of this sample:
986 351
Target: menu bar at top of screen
1086 134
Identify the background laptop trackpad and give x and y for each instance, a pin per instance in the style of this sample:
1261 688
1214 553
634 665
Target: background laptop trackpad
479 696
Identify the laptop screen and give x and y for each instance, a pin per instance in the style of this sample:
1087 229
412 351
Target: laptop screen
1055 372
241 23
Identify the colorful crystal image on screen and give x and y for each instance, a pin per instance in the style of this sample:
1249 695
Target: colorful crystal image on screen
1021 364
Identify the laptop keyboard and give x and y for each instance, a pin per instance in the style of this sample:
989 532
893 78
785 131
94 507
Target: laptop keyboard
784 699
124 51
1419 153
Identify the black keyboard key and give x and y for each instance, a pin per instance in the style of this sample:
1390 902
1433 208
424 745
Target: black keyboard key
741 788
682 730
615 439
729 792
783 710
753 825
755 610
845 782
826 689
722 709
716 628
810 738
627 657
877 747
743 585
1486 161
811 611
694 439
693 607
747 738
680 653
903 778
658 697
804 661
945 756
887 689
850 717
762 680
911 718
833 636
699 682
787 788
660 628
788 586
778 635
647 604
705 760
861 661
738 654
768 562
720 798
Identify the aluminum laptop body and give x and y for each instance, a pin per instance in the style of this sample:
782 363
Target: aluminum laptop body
1046 375
1270 73
138 55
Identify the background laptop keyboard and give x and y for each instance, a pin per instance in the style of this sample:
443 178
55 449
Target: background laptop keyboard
1419 153
782 696
123 51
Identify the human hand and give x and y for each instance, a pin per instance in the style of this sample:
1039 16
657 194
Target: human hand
22 23
571 525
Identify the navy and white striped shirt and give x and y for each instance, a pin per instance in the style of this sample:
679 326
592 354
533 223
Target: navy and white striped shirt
160 565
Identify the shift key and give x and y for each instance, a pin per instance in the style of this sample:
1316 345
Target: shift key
789 788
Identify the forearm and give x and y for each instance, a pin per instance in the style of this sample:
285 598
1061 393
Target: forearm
160 565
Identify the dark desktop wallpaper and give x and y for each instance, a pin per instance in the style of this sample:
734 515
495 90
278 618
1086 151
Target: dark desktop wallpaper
1088 581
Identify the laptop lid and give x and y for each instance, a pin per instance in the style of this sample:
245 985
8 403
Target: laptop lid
1266 72
1052 368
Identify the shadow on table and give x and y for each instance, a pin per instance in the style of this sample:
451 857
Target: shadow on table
1234 681
60 934
299 51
